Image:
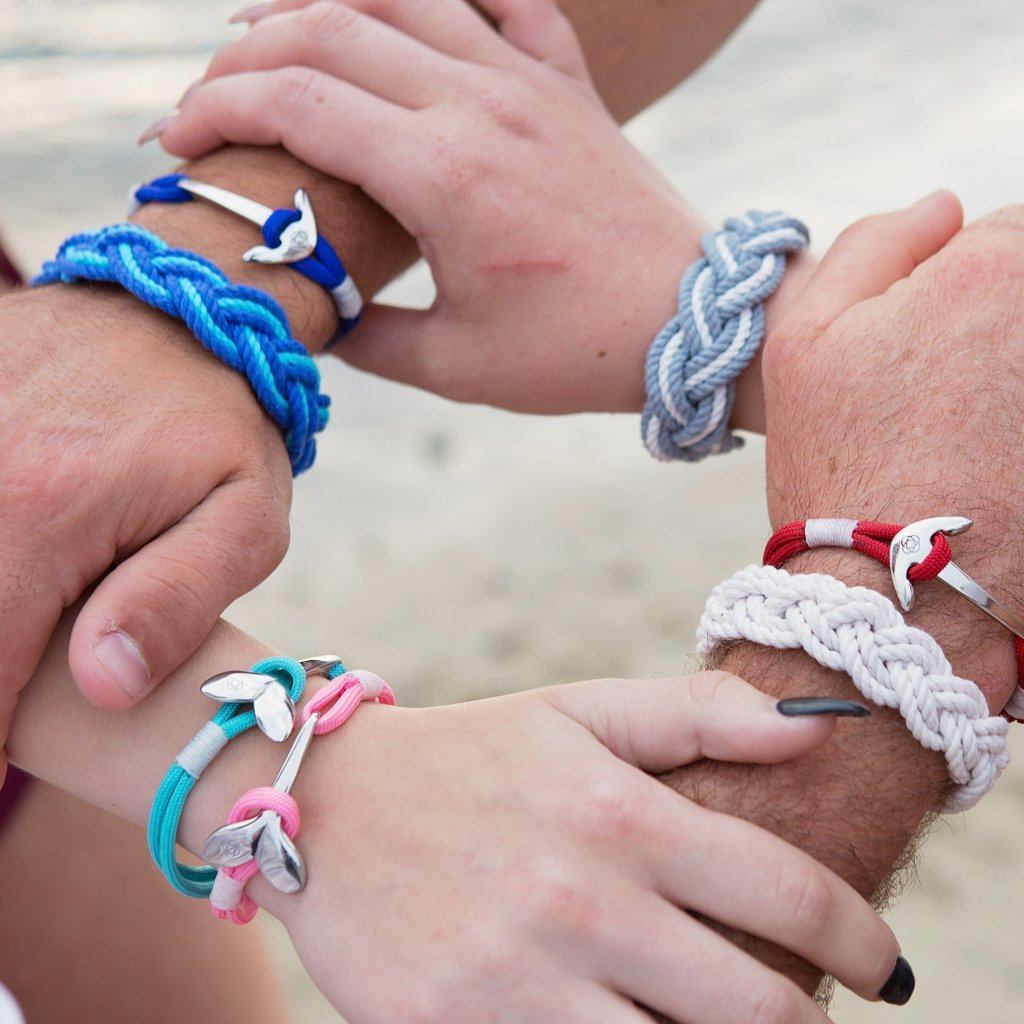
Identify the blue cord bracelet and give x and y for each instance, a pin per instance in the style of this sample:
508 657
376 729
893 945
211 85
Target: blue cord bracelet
231 720
320 263
693 363
243 327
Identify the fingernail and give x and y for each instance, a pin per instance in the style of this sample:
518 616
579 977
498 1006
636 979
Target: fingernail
932 195
822 706
900 986
119 654
157 128
189 92
251 13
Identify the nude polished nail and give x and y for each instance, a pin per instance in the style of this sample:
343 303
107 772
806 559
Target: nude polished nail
119 655
157 128
251 13
797 706
900 986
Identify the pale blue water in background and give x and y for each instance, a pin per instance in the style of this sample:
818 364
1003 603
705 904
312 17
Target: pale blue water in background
463 552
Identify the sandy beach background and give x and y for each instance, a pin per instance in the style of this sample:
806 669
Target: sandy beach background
464 552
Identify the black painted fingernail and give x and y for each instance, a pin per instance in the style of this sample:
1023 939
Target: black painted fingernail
900 986
822 706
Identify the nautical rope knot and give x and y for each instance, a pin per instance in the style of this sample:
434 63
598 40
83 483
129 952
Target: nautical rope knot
693 363
858 631
243 327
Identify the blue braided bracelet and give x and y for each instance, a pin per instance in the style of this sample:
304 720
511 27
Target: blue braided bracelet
319 262
693 363
243 327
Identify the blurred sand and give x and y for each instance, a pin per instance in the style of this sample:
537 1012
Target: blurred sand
464 552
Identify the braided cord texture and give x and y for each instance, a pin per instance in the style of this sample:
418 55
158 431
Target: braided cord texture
693 363
243 327
858 631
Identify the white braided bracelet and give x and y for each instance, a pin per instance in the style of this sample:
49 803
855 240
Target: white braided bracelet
859 631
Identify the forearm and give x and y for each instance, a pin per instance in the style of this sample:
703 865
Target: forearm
859 803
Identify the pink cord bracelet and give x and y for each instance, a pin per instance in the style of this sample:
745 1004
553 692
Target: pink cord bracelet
259 836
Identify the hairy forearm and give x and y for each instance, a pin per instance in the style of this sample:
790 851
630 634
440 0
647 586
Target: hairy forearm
859 804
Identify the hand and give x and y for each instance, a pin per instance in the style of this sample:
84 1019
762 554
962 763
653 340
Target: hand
556 247
141 451
893 393
511 857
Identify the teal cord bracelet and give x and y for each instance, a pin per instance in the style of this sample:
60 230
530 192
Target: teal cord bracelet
233 719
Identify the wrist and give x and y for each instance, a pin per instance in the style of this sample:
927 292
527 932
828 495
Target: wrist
371 244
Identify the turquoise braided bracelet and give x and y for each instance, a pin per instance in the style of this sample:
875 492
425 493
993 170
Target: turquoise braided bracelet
243 327
231 720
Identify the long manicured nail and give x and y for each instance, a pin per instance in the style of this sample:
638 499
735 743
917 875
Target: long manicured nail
157 128
119 655
251 13
900 986
822 706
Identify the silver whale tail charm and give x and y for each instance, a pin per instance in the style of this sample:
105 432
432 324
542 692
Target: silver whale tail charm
263 838
273 707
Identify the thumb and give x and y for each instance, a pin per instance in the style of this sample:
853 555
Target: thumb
870 256
659 724
155 609
410 346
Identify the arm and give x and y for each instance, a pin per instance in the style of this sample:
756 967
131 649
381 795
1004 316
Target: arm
512 841
159 464
871 451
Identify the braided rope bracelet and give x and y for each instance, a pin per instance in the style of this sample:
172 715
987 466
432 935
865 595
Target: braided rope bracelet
290 235
892 545
692 365
232 720
243 327
263 822
858 631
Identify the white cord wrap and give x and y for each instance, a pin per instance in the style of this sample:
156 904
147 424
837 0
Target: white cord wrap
196 755
858 631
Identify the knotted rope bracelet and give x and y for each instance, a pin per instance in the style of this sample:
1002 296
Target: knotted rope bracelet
243 327
859 631
290 235
914 554
692 365
258 838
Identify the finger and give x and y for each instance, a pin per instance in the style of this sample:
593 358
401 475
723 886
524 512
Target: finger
331 125
155 609
414 347
664 959
448 26
339 40
540 30
745 877
871 256
659 724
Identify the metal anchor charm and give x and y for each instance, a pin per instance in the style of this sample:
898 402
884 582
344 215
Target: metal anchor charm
262 838
913 543
298 240
273 707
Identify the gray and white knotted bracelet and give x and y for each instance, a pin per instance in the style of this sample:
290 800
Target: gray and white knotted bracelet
693 363
859 631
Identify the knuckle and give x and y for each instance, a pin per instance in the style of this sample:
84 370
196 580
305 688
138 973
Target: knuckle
708 688
986 259
295 88
559 901
612 810
325 21
805 896
776 1004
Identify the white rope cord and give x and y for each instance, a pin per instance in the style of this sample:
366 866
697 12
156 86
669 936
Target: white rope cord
860 632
